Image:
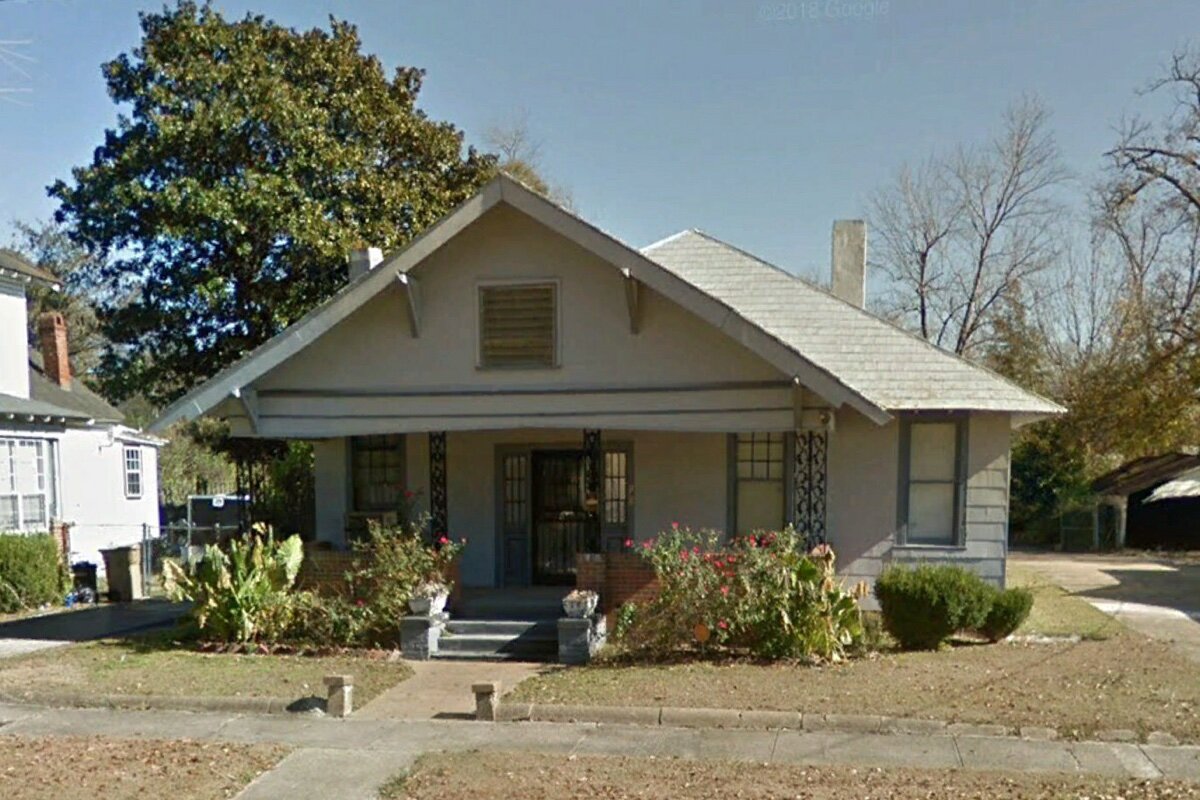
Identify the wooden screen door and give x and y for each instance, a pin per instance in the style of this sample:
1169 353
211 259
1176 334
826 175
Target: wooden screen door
562 524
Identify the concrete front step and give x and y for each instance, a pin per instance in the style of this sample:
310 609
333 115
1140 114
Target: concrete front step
536 628
531 646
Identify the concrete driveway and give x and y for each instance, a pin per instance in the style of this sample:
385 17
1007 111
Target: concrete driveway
106 620
1158 598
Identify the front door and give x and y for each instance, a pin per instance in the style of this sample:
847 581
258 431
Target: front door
563 525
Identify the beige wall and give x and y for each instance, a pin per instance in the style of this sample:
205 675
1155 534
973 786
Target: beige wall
373 352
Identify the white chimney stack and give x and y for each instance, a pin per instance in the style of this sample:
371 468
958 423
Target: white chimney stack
363 260
850 261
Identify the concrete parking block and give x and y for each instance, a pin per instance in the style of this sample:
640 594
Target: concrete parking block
976 729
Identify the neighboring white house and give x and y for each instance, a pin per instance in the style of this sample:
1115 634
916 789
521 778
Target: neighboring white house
551 391
65 456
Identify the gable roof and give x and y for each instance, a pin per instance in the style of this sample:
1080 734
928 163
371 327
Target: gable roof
14 265
689 274
893 368
79 399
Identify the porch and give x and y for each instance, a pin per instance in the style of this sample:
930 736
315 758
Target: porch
530 502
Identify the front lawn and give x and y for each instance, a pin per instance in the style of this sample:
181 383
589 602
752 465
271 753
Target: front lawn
88 767
158 666
1112 678
522 776
1056 612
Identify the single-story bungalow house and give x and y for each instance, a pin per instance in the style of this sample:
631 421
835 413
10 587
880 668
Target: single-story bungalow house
68 463
548 390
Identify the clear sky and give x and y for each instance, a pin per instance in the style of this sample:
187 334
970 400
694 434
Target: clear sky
758 122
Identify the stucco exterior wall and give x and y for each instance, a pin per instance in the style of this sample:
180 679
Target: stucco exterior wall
370 375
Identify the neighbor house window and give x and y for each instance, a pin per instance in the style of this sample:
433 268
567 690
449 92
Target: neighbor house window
26 485
133 472
933 476
518 325
377 471
759 475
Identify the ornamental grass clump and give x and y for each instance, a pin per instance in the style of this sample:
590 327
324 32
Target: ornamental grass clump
763 595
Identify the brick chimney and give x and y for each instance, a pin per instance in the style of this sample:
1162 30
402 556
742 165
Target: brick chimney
52 333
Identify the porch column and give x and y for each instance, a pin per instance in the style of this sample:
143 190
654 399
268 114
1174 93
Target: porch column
810 478
593 470
439 518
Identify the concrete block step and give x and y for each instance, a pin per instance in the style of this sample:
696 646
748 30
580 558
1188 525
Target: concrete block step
496 644
544 628
442 655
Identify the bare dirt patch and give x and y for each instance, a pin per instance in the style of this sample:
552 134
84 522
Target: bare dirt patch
70 767
500 776
157 666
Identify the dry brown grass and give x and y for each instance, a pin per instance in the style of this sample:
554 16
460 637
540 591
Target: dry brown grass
156 666
89 767
508 776
1113 678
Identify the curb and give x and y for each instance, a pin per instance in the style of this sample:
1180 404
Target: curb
151 702
668 716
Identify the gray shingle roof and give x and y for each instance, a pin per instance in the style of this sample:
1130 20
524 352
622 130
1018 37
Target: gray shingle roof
12 262
79 399
22 408
888 366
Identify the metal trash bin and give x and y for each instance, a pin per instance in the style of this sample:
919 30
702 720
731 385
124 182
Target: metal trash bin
123 567
83 575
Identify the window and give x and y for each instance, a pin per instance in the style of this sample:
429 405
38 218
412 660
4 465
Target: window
933 470
759 474
26 485
133 472
518 326
616 487
377 471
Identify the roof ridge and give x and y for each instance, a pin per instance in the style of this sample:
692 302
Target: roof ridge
871 315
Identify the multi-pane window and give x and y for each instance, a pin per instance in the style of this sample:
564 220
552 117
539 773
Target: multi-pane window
26 486
377 471
616 487
759 473
516 491
517 325
931 499
133 472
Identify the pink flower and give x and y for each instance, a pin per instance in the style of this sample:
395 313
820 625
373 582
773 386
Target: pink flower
628 543
647 545
683 555
409 494
723 625
674 526
724 590
444 540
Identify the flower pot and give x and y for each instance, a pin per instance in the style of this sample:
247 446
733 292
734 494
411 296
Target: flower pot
578 607
428 606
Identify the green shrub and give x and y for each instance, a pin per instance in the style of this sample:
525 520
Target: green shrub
1009 609
627 616
241 593
763 595
31 571
923 606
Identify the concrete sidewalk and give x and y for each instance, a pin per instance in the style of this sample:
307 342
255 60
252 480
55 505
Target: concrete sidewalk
442 689
374 749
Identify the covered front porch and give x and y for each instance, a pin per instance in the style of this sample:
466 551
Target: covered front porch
530 501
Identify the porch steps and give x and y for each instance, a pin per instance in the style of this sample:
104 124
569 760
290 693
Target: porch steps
499 639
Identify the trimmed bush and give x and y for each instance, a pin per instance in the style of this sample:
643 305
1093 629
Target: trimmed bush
923 606
1009 609
31 572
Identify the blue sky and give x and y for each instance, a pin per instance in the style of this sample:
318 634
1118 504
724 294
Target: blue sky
758 122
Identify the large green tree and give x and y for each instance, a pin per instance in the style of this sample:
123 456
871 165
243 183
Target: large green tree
247 160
